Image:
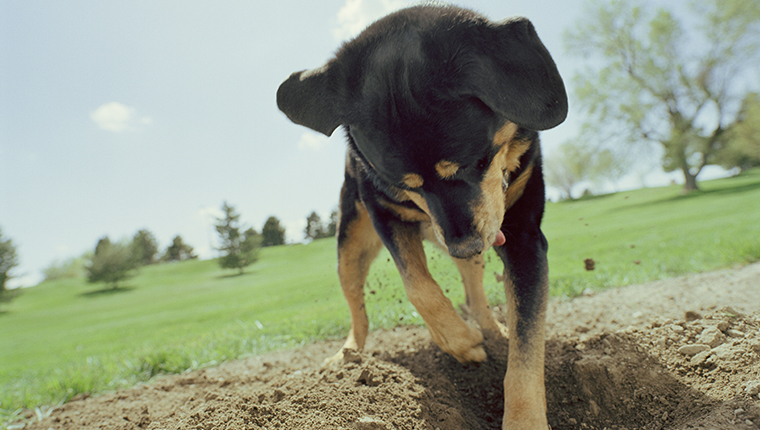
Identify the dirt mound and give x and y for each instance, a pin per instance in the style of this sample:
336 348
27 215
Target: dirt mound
675 354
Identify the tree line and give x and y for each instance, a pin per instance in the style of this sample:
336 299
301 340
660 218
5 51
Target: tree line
112 262
654 79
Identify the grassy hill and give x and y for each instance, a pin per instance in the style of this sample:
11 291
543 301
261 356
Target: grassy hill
67 337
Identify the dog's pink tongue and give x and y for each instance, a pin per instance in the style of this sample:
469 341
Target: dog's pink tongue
500 239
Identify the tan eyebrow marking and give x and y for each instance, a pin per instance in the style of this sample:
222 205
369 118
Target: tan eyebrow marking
412 180
446 169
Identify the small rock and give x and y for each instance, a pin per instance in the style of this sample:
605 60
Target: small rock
722 326
595 409
701 359
731 312
691 350
351 356
692 316
752 388
370 423
678 329
734 333
711 336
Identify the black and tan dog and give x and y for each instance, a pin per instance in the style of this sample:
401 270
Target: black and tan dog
440 108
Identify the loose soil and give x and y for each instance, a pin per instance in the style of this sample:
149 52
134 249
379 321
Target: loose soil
680 353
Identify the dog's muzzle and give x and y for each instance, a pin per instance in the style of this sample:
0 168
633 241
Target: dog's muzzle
466 248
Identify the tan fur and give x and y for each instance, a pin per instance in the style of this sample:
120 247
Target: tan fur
412 180
447 329
515 190
446 169
524 390
354 259
489 210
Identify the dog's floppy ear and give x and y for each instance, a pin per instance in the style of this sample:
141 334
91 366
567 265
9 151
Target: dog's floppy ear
515 76
310 98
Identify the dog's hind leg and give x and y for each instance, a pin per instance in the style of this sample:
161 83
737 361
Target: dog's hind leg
472 270
358 246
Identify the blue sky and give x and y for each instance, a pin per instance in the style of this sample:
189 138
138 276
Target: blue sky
122 115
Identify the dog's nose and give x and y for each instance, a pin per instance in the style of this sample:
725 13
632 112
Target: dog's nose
467 247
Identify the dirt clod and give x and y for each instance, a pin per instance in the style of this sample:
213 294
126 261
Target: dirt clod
614 360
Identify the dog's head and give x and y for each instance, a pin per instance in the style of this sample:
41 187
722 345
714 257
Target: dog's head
433 99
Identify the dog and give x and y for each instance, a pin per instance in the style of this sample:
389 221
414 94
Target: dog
441 109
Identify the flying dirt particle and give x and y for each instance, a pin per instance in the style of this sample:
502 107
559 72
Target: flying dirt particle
372 292
637 262
633 246
589 262
692 316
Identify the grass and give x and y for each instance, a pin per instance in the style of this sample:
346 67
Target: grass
67 337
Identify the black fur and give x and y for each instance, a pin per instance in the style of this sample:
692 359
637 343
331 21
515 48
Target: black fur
433 83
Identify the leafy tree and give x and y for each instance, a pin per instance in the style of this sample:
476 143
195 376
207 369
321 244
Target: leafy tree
570 165
8 260
178 251
272 233
238 250
70 268
144 247
314 227
332 226
654 80
742 142
111 263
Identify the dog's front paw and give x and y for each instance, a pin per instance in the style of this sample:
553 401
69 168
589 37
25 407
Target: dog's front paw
465 343
345 355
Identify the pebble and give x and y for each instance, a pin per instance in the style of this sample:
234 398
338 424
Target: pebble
370 423
701 358
752 388
734 333
711 336
692 350
692 315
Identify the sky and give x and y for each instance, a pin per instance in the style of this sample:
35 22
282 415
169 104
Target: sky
125 115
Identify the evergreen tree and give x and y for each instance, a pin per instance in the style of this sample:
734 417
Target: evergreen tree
314 227
8 260
272 233
178 251
144 247
238 250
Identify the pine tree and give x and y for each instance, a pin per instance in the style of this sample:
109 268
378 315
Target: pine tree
238 250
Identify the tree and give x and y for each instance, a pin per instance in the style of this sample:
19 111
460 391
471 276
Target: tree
69 268
144 247
570 165
238 250
314 227
8 260
272 233
742 142
178 251
654 80
111 263
332 226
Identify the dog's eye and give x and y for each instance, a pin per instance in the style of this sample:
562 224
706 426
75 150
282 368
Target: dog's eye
482 163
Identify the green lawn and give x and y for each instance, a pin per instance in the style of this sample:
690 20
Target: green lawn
66 337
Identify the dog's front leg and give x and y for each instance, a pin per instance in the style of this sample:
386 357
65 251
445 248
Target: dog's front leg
526 284
471 270
358 246
448 330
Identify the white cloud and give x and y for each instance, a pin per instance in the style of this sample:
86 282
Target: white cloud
355 15
311 141
117 117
